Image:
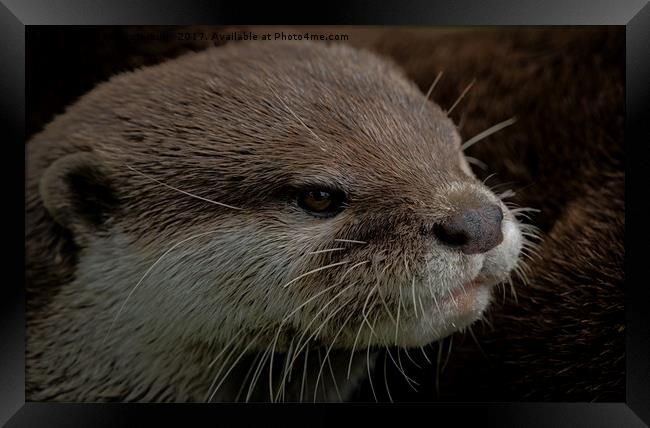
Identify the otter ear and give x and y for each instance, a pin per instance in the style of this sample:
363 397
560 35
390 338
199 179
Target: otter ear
77 194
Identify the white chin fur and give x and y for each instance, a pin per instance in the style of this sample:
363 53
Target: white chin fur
500 261
452 314
435 323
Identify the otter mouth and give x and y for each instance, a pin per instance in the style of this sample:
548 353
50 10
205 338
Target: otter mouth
464 298
469 286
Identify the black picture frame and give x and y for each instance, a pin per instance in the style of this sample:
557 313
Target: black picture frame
16 15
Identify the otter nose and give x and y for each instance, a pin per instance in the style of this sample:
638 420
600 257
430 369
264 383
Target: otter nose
473 231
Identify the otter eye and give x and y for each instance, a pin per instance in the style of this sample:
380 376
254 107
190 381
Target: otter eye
322 203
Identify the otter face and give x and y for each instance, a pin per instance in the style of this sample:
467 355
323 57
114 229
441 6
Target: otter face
279 194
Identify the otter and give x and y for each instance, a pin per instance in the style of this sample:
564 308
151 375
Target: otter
252 222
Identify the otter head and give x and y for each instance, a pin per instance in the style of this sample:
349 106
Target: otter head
271 193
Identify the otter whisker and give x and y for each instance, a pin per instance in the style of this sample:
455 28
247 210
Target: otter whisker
491 130
314 271
524 265
527 256
350 241
383 301
460 97
183 191
329 349
433 85
409 379
519 216
336 386
231 353
317 331
480 348
400 367
487 321
520 212
110 329
506 194
354 345
426 357
390 398
274 342
363 313
530 248
399 307
421 305
323 309
285 319
488 177
530 235
248 373
309 300
432 292
304 372
415 307
373 333
288 368
438 360
525 269
511 205
451 296
383 271
435 300
230 342
502 190
320 361
372 387
476 162
297 117
406 351
525 209
329 250
451 341
232 366
512 290
533 239
353 266
529 228
519 271
257 374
